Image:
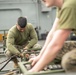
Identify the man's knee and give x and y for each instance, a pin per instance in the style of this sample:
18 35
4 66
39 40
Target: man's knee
8 53
37 46
69 61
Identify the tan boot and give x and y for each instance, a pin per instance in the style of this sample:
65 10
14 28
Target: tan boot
15 65
15 62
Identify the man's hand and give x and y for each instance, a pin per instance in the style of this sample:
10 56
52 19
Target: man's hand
34 60
21 55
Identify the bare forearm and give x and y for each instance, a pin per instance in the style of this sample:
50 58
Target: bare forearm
47 57
52 49
49 37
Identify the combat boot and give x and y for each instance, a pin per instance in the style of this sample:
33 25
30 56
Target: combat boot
15 62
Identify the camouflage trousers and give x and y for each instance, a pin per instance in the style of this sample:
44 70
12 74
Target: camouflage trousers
25 57
68 46
20 49
67 55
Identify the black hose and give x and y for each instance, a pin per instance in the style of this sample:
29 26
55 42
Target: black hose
7 61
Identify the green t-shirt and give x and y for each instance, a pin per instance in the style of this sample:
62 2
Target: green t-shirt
67 15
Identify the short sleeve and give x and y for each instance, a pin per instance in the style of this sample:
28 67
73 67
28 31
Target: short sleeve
67 18
57 12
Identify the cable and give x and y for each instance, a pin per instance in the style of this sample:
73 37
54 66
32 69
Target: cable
8 60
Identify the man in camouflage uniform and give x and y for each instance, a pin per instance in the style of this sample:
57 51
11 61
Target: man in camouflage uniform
64 24
21 36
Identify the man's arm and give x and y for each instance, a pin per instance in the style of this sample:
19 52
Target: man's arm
32 36
49 37
52 49
11 43
48 40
